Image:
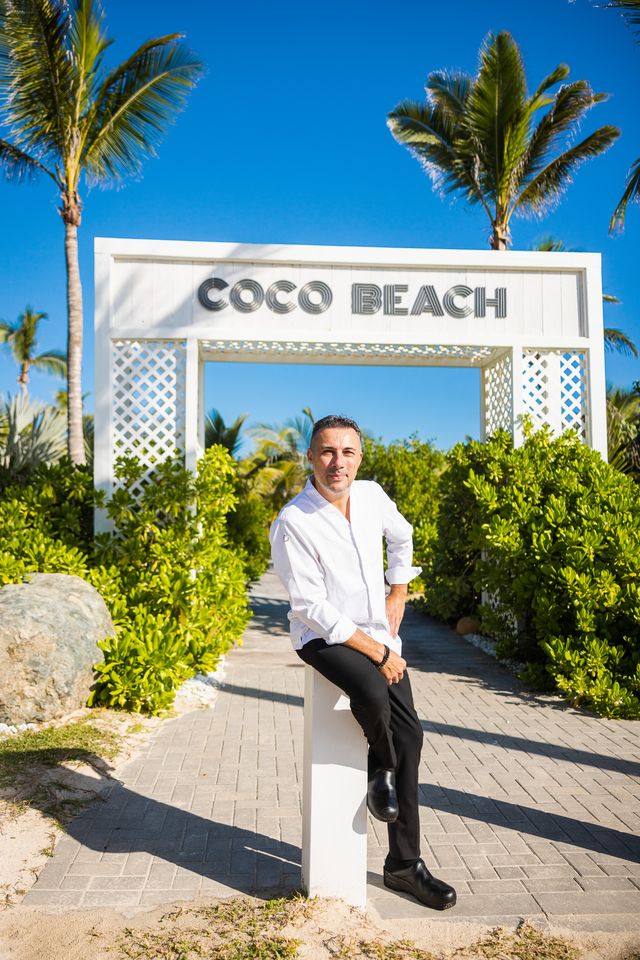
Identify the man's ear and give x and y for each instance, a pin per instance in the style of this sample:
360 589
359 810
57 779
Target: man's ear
309 455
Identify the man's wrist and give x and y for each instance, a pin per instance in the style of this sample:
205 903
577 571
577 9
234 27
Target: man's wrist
399 589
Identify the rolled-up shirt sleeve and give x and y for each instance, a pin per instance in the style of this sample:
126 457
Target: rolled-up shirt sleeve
398 535
300 571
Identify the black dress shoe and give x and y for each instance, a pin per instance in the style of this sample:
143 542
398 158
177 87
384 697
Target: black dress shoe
381 795
426 888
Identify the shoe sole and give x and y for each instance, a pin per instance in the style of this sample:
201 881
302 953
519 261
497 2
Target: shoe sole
401 887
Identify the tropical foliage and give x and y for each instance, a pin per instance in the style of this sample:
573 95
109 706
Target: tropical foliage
551 533
175 588
486 138
623 429
409 472
21 337
31 433
67 115
630 10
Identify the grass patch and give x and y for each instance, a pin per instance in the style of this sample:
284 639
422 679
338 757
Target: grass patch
79 740
244 929
235 929
28 761
525 943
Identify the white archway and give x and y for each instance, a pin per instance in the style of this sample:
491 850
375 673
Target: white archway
532 323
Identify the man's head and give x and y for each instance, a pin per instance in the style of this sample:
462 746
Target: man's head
335 453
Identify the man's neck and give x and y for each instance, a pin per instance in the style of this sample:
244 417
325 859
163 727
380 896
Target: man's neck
340 502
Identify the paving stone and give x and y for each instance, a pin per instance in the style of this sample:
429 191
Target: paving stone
525 803
585 904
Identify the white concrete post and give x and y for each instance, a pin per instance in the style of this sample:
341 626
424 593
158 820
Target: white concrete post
334 808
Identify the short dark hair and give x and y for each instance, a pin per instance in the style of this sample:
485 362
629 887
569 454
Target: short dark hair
332 421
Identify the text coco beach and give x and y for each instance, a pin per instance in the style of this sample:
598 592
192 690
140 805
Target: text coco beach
316 296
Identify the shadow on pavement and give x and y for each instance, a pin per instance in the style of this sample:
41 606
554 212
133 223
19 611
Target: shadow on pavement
553 751
532 821
120 820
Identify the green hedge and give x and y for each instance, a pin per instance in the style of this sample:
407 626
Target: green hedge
552 533
175 588
409 472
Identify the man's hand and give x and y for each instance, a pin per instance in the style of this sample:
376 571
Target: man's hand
394 668
395 604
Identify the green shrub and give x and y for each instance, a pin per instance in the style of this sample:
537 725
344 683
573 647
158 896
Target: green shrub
552 534
175 588
248 530
409 472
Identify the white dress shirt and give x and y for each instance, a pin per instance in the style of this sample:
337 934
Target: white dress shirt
333 568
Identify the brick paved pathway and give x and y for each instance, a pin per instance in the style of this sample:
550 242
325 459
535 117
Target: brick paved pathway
531 809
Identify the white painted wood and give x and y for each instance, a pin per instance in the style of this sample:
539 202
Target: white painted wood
334 810
192 405
103 452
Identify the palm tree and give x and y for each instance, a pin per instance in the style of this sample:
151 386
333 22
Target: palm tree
614 339
67 116
217 431
631 12
623 429
21 337
484 137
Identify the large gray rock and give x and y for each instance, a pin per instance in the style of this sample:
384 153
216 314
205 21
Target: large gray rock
49 630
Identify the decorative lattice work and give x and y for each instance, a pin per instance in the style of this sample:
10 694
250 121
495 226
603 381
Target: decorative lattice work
148 399
400 351
536 387
498 396
573 393
554 389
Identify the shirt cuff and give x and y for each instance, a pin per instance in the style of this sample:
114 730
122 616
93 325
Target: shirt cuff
402 574
341 630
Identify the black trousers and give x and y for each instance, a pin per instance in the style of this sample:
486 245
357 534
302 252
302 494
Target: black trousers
389 721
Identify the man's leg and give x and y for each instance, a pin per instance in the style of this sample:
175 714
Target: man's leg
404 833
367 690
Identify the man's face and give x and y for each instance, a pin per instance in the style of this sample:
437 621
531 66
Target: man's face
335 456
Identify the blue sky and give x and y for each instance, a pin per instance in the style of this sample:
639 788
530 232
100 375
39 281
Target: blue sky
285 141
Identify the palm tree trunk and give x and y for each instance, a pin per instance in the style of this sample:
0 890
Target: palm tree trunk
24 377
74 345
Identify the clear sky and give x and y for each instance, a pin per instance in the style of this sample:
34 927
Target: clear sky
285 141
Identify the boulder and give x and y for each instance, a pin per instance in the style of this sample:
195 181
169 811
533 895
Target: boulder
49 630
468 625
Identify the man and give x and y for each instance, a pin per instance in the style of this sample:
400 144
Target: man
326 546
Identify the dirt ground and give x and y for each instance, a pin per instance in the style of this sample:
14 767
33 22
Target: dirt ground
329 929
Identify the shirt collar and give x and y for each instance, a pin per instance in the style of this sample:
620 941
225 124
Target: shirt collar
317 498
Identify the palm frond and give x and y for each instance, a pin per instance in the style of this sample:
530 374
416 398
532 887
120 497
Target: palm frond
135 104
32 433
449 90
631 195
615 339
538 99
430 137
35 73
18 165
87 44
630 10
53 361
548 185
570 104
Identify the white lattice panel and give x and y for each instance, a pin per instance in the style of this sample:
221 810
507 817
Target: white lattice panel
148 390
498 395
554 389
537 387
323 349
573 393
